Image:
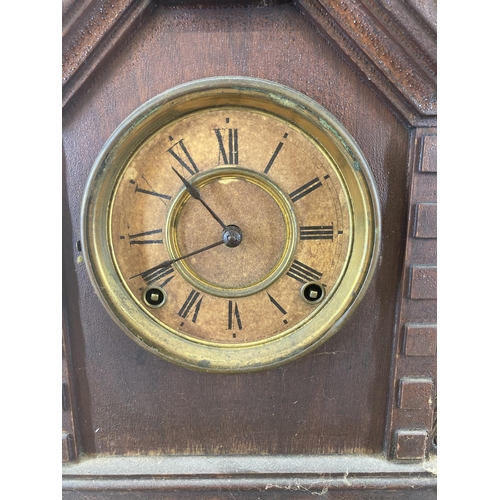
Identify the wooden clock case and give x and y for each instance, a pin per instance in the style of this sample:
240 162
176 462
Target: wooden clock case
355 419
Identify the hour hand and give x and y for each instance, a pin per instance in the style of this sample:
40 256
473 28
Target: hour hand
195 193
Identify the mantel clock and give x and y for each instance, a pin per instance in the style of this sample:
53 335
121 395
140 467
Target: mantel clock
230 225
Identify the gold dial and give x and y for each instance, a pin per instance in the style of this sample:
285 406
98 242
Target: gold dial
230 224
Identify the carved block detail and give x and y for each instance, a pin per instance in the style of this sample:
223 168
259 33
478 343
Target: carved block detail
428 154
423 282
65 397
410 435
68 447
410 444
415 393
425 221
420 340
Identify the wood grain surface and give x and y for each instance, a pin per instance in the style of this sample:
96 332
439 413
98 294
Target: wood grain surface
357 393
334 400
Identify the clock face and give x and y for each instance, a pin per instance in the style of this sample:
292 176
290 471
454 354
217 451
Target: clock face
227 228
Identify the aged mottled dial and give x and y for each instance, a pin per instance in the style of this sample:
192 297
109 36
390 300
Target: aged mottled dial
228 227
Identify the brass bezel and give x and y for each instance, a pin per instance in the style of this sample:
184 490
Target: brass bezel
305 115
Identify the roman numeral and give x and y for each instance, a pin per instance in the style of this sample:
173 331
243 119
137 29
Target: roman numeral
303 273
232 315
155 274
307 188
191 301
152 193
229 155
158 274
273 157
181 154
144 238
316 232
277 305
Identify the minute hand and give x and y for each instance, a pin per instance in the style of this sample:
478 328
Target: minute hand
168 263
197 196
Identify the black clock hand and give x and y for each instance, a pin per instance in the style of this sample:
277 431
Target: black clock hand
197 196
168 263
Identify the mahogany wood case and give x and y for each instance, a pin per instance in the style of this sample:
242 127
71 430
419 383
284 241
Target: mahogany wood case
354 419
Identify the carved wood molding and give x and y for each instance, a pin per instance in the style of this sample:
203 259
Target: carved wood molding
91 31
413 27
392 43
280 474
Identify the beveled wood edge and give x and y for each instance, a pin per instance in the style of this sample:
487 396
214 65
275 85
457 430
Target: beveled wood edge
71 11
371 43
85 24
93 36
204 473
70 423
426 13
409 27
